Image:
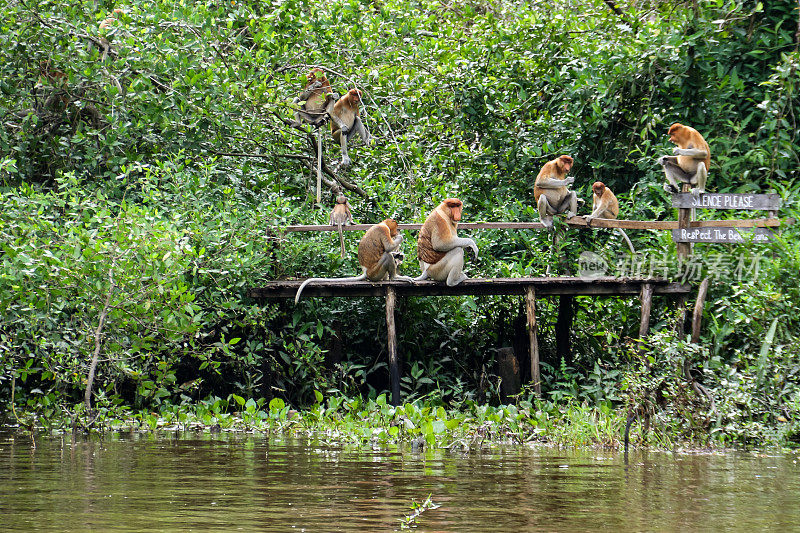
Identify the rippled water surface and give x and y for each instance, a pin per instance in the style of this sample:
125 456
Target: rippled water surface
259 483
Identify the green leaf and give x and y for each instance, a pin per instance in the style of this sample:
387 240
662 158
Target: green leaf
276 404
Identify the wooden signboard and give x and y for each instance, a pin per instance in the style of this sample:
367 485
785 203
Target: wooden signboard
764 202
723 235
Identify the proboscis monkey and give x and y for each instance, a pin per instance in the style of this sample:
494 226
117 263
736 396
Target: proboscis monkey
606 205
316 103
604 202
106 28
439 250
378 254
691 161
341 216
316 100
346 122
551 190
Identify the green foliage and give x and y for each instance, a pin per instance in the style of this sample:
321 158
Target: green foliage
147 166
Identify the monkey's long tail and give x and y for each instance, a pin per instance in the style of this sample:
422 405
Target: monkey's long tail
319 165
341 239
330 281
627 240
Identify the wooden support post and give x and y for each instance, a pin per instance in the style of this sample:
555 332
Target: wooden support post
530 308
646 297
391 334
684 249
698 310
508 370
319 165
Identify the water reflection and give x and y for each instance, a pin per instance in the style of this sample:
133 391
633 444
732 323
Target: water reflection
259 483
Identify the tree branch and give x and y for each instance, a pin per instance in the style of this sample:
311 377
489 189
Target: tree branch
612 5
98 342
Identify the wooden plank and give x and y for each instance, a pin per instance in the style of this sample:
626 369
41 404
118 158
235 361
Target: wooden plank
530 310
545 286
722 235
328 227
763 202
577 222
747 223
697 316
580 222
391 339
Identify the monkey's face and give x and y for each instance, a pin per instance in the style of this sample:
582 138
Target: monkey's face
565 162
341 199
598 188
676 133
453 207
392 225
354 96
315 75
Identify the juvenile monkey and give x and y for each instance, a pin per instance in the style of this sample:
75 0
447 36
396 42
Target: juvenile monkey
346 122
341 216
378 255
606 205
439 250
552 193
691 161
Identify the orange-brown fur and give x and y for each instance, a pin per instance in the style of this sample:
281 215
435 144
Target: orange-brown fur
688 137
341 215
558 168
441 223
376 241
606 205
378 254
346 108
439 249
317 99
604 202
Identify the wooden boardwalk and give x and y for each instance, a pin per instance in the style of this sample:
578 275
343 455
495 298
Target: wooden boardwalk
530 288
563 287
545 286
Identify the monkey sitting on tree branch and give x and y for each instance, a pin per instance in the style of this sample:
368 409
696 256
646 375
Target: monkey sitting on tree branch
316 101
346 122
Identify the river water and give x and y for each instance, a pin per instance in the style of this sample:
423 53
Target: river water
196 482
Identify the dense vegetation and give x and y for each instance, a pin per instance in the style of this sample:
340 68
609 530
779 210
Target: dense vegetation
147 166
